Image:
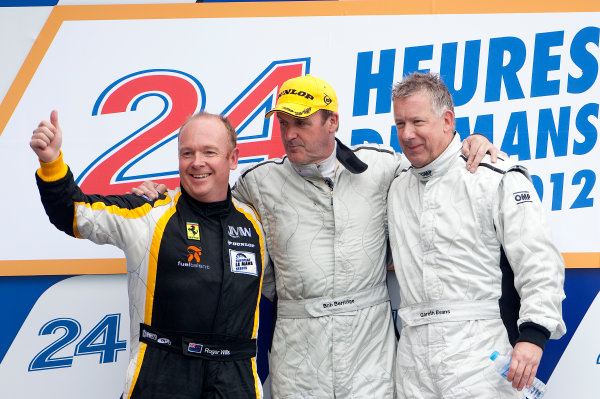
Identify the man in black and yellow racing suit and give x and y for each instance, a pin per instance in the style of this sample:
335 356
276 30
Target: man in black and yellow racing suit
195 264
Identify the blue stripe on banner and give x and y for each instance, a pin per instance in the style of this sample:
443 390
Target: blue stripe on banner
18 295
27 3
581 288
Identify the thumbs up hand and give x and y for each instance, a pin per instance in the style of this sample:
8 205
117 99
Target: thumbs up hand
47 139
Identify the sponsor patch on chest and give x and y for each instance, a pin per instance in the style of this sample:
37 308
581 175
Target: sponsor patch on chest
243 262
193 231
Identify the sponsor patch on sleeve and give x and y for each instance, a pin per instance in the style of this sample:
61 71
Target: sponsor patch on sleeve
243 262
522 196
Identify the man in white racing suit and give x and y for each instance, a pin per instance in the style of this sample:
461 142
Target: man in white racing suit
474 259
323 208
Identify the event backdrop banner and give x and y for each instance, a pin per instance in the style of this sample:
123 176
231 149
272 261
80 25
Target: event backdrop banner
124 77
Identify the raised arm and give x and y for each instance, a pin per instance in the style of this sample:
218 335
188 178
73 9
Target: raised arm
95 217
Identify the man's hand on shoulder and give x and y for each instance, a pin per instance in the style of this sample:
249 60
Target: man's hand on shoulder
475 147
149 189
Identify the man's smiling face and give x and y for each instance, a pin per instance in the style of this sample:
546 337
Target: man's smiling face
206 156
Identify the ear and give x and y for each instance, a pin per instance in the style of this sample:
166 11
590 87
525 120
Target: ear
233 161
333 122
449 120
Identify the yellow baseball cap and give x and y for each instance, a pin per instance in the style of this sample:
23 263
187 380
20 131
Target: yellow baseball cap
303 96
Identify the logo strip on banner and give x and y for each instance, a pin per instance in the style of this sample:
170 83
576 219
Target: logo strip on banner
585 260
58 267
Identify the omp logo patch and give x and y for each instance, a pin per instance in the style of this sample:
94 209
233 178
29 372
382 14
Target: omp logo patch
193 231
194 253
522 196
427 173
243 262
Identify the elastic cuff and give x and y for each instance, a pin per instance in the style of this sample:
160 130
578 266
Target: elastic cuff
53 171
534 333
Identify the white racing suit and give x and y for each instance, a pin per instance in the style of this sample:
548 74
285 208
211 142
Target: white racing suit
334 336
449 231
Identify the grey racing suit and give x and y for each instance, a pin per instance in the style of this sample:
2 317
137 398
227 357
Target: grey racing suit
469 250
334 335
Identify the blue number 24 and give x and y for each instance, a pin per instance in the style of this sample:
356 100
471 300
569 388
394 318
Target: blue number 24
103 339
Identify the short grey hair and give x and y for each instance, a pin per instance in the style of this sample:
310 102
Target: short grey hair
429 83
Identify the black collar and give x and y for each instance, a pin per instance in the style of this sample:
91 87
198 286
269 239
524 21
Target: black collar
208 208
348 159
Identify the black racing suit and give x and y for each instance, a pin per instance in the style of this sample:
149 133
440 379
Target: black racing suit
194 278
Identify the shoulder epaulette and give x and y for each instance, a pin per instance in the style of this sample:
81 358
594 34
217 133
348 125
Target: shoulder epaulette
276 161
502 166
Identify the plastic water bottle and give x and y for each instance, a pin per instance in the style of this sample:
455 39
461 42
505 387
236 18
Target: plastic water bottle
502 363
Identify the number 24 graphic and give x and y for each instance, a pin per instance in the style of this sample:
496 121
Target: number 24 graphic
182 95
103 339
